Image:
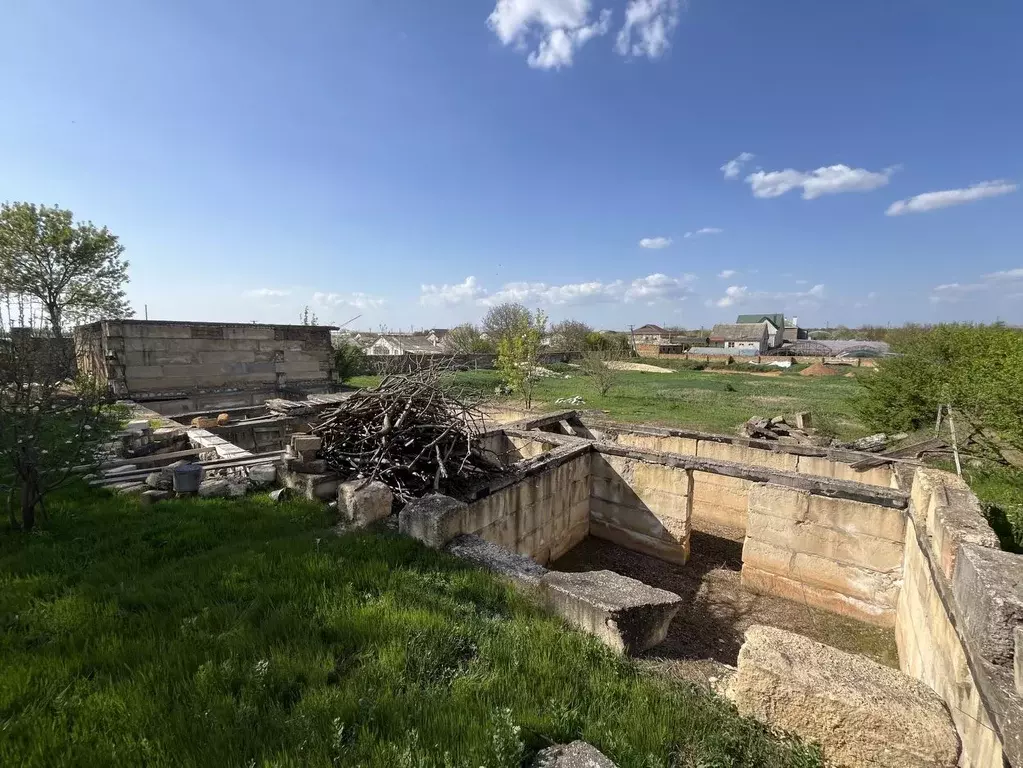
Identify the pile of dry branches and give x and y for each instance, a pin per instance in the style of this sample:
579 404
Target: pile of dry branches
411 433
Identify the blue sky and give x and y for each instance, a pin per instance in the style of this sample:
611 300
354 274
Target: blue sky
415 162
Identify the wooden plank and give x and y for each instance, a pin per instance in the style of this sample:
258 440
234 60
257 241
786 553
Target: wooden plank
906 452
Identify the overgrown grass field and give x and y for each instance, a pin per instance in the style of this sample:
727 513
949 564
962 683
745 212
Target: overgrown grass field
243 633
703 400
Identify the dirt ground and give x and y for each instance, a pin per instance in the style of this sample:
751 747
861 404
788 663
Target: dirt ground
618 365
708 630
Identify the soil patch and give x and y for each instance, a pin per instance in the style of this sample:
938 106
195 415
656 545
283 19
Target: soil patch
818 369
716 611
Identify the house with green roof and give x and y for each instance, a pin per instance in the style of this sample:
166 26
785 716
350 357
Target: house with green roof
775 326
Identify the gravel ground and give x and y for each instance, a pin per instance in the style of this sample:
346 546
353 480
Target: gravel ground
704 639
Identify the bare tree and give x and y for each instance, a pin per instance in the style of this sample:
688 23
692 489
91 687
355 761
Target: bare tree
598 366
467 339
505 320
50 421
74 270
570 335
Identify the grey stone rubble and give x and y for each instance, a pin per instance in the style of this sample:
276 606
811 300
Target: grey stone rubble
578 754
861 713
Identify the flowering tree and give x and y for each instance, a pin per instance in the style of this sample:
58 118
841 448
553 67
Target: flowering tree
50 419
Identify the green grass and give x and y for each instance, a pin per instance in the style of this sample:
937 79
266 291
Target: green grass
700 400
242 633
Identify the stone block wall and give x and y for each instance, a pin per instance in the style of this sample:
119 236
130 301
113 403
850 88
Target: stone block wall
640 505
841 555
960 606
542 514
156 360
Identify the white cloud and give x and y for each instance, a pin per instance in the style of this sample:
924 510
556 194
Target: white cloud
829 180
652 21
724 274
951 293
449 295
356 300
733 167
267 293
734 294
561 26
658 287
929 201
1007 274
705 231
740 294
655 242
650 289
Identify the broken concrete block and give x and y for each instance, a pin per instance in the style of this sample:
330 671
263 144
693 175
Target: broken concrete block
262 475
861 713
159 481
314 486
626 614
238 488
477 550
804 420
434 520
578 754
303 443
988 587
360 503
137 426
870 442
151 497
214 488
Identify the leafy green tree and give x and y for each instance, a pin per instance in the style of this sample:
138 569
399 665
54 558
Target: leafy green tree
467 339
609 341
977 369
73 269
518 352
505 319
349 361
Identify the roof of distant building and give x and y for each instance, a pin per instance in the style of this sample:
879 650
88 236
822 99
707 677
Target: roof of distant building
777 320
650 328
739 332
711 351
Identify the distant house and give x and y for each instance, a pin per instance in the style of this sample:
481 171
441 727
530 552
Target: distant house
407 345
650 334
775 326
742 336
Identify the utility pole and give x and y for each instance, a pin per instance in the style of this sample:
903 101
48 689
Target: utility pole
632 334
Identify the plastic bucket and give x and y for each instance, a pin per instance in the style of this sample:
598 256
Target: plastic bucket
187 478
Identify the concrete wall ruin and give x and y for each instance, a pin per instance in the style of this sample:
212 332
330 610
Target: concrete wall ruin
178 367
902 546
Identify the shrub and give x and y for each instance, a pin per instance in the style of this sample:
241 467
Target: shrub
349 361
595 366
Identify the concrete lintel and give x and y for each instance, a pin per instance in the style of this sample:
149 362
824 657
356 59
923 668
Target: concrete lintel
839 489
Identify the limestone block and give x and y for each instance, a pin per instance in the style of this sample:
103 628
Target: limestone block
578 754
519 568
779 501
865 551
160 481
238 488
624 613
655 547
303 443
988 589
434 520
360 503
857 517
153 496
766 583
862 713
214 488
315 487
262 475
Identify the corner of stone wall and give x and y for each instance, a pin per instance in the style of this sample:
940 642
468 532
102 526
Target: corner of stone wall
962 635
